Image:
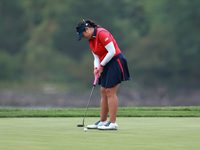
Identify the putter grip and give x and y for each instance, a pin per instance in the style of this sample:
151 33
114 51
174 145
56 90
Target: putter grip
97 76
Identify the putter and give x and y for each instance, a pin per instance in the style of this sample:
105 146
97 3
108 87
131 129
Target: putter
95 82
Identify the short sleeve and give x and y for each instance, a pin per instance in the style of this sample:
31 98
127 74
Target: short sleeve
104 38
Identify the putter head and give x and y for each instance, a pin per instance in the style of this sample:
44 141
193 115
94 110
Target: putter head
80 125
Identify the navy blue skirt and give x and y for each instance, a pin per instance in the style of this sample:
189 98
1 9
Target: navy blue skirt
114 72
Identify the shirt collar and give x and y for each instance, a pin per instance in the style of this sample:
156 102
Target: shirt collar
95 32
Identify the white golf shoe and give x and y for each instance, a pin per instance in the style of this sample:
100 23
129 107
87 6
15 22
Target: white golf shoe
97 124
108 126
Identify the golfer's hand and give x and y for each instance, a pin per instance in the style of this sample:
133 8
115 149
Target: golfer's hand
95 72
100 70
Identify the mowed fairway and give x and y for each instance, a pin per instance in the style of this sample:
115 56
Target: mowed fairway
133 133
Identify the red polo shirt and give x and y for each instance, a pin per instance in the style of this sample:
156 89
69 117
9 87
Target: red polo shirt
99 40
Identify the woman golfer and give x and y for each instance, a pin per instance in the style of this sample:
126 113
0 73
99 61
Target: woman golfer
111 66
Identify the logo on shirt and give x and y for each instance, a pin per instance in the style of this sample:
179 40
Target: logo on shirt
106 39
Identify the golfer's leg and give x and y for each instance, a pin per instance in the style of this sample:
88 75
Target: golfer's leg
104 105
112 102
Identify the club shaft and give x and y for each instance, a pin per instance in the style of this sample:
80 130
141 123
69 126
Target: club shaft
88 102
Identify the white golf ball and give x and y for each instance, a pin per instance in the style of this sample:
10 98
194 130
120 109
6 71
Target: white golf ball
85 129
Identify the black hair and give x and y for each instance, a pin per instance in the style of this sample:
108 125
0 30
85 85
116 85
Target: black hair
90 24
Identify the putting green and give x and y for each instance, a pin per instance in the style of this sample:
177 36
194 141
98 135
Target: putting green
133 133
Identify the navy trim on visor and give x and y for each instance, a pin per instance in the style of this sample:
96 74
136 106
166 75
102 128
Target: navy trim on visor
80 31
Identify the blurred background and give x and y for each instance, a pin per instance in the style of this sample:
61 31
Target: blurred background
43 65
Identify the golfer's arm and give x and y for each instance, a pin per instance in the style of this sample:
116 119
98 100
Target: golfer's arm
111 52
96 60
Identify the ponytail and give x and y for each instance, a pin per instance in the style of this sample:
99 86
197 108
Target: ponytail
92 23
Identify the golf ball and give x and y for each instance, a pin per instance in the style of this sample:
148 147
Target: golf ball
85 129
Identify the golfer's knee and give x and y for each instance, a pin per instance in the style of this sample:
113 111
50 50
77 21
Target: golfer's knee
110 92
103 91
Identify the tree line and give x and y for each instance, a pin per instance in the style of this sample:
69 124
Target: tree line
160 39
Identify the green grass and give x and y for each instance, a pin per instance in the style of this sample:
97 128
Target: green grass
192 111
140 133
